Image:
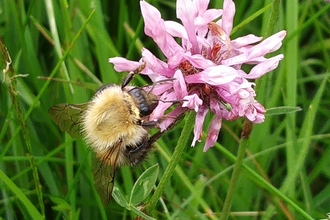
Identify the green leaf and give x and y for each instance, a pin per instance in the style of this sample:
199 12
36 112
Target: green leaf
119 196
142 214
282 110
57 200
60 204
143 185
62 207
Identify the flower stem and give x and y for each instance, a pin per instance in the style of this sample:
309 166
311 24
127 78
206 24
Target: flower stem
247 128
177 155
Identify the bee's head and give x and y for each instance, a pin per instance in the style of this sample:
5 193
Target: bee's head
145 101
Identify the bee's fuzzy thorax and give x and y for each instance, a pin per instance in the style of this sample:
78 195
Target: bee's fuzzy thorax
112 120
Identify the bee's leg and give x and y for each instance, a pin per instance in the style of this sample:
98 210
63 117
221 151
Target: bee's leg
150 124
139 153
143 144
128 79
131 75
156 136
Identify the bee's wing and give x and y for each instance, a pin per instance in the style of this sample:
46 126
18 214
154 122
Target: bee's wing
68 116
104 177
104 174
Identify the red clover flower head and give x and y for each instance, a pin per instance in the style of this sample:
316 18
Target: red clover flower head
206 67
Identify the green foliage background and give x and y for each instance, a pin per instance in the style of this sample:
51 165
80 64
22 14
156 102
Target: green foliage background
46 174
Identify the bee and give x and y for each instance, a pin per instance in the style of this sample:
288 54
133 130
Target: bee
115 125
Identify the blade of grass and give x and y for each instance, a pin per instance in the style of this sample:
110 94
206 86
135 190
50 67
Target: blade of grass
55 36
30 207
291 61
306 133
260 181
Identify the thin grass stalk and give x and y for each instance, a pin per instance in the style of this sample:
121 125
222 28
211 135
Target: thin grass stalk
10 78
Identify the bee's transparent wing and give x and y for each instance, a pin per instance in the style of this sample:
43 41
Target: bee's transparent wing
104 177
104 174
68 116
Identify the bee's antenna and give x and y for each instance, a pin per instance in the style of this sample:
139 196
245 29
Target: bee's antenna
164 80
160 81
165 101
173 101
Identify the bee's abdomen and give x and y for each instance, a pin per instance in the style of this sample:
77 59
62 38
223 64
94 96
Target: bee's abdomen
138 152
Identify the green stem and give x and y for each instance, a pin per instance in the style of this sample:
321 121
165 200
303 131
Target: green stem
177 155
247 128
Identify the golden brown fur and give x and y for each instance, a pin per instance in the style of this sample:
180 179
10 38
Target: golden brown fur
111 123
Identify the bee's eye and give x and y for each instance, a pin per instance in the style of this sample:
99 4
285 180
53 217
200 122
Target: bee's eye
144 109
